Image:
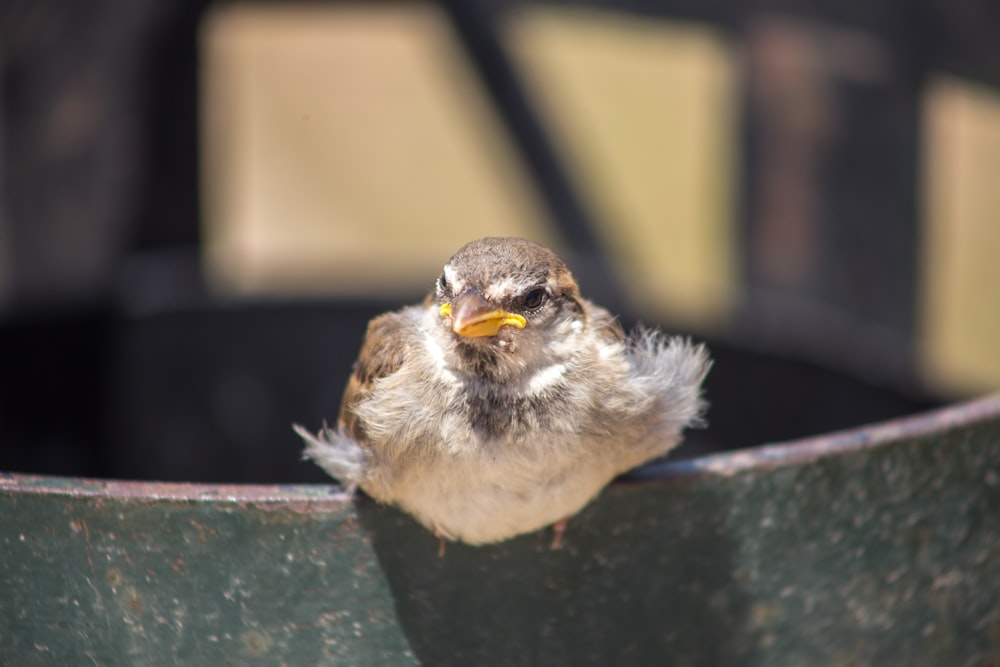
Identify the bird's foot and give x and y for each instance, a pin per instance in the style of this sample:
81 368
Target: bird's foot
558 529
443 538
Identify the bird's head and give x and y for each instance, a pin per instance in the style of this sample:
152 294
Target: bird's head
507 294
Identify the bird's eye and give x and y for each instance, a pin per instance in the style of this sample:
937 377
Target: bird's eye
534 299
443 284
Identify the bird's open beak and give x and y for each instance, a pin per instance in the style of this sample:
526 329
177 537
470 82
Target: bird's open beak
473 316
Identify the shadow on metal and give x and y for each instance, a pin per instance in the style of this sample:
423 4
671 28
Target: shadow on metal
875 546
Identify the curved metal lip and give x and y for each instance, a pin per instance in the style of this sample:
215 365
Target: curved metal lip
806 450
313 496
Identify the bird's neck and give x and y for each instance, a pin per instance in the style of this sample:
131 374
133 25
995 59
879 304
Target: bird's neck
490 364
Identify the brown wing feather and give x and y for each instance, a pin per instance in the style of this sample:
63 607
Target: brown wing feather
604 323
382 353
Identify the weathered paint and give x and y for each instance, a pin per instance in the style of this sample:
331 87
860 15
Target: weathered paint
126 573
875 546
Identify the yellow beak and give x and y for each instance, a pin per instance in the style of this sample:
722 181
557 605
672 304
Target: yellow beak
473 316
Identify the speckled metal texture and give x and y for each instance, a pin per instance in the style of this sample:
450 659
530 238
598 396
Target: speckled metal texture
879 546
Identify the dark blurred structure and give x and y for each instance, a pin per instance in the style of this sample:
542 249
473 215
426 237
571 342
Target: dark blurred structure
115 360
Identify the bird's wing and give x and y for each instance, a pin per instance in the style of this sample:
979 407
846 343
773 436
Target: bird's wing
605 324
382 353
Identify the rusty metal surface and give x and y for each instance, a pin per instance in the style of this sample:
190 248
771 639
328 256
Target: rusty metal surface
874 546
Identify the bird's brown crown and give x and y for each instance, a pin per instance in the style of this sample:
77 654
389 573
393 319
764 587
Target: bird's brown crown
492 260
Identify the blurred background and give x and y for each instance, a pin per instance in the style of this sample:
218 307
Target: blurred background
203 203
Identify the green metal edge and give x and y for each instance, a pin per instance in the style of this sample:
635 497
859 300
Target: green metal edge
873 546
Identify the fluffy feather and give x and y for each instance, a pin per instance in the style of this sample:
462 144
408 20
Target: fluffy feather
337 453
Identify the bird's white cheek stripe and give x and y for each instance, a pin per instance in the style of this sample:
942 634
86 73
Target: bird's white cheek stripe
545 378
565 342
437 356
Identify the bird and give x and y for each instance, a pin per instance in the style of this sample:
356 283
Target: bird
505 402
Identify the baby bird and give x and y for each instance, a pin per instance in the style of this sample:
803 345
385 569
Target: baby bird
505 401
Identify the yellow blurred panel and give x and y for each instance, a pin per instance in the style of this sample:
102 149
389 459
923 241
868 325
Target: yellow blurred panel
644 112
961 308
347 149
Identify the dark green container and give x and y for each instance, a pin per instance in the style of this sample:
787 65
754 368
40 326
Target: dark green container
879 546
